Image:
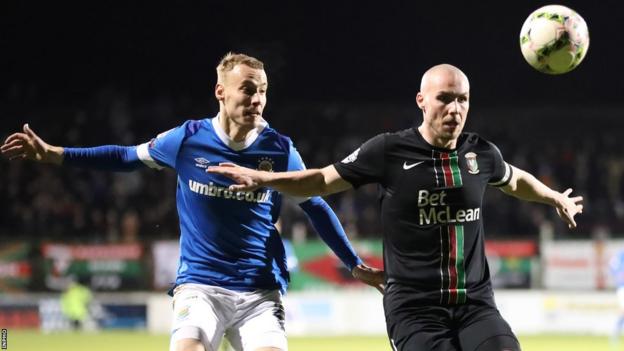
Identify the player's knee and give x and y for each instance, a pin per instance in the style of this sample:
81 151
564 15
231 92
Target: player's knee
499 343
189 345
188 339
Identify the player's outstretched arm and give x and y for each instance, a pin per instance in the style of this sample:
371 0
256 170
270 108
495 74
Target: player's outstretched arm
28 145
309 182
525 186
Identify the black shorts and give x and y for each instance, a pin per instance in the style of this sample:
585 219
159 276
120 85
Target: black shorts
414 325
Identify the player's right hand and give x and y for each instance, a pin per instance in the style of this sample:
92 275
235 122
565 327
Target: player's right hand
568 207
28 145
370 275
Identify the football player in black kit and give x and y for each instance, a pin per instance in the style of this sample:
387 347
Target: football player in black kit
438 293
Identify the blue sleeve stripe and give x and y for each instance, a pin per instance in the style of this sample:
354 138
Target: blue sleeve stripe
107 157
328 226
193 127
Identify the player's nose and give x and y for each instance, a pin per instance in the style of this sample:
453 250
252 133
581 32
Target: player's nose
454 106
256 99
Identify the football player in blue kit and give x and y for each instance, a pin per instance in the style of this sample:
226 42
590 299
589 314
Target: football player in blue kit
438 293
232 266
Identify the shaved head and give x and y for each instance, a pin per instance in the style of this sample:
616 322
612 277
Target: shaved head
441 72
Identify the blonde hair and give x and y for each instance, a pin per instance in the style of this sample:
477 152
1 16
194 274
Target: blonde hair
232 59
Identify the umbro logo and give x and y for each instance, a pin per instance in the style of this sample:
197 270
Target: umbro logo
201 162
410 166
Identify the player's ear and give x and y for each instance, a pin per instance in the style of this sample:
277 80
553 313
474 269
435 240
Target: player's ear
219 91
420 101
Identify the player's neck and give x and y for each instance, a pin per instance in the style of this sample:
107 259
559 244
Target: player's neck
233 130
436 141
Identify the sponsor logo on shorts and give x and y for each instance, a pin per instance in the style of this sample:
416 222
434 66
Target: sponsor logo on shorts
183 313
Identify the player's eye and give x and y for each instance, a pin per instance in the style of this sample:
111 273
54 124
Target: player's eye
445 98
249 90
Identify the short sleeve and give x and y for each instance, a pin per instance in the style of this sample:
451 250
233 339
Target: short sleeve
295 162
502 172
162 151
366 164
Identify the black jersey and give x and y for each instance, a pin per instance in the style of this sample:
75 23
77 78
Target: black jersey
431 210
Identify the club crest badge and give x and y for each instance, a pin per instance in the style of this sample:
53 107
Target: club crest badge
152 142
183 313
265 164
471 162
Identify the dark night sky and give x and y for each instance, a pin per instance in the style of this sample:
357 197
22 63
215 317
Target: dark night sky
314 50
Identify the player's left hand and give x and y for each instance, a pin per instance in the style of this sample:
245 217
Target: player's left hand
370 275
568 207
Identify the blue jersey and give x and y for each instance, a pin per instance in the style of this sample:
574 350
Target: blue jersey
227 239
616 268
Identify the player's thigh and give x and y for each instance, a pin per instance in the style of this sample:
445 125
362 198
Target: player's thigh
197 315
486 330
260 324
420 328
187 345
406 337
500 343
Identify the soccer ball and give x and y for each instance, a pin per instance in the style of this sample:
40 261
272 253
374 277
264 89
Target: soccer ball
554 39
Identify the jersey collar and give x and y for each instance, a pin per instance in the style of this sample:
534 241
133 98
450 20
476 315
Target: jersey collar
460 141
238 145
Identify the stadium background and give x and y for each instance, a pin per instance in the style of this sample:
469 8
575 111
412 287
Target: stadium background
339 73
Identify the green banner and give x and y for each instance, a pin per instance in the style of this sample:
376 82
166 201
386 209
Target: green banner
511 264
101 267
15 267
319 268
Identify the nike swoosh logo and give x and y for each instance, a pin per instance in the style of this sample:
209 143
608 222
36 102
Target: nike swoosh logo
406 166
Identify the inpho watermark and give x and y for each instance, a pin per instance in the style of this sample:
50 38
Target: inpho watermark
4 342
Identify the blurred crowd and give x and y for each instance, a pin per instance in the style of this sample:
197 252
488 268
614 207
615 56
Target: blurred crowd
562 146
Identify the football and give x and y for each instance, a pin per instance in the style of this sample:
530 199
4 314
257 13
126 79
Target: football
554 39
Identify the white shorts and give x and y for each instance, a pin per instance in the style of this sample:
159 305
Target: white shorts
249 320
620 297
